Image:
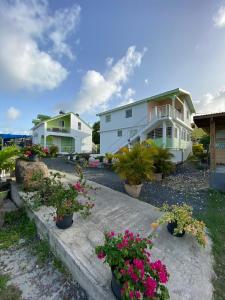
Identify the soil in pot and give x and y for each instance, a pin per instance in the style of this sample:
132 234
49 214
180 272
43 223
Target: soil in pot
133 190
116 287
65 222
171 226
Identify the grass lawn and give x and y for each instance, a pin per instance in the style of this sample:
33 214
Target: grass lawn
214 218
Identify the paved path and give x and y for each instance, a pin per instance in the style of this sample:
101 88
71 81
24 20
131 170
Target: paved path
186 185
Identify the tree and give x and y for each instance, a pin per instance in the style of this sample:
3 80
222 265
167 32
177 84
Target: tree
95 133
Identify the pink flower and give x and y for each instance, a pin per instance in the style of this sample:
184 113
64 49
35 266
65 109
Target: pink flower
139 264
131 294
138 294
150 285
163 277
77 186
122 271
111 234
101 255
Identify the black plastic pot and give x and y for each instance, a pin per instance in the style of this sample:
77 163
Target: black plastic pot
65 222
116 287
173 225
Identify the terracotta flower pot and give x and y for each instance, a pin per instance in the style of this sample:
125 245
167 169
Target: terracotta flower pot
65 222
133 190
116 287
173 225
158 176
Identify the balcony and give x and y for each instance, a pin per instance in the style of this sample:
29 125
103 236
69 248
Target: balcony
165 111
58 129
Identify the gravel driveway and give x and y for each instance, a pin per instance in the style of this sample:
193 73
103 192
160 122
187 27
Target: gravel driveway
185 185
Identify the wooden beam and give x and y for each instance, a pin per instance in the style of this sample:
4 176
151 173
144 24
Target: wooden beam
212 144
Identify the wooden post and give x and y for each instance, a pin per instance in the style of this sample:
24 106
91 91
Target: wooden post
212 144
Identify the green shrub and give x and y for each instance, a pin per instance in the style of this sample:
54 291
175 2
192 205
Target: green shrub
7 158
53 150
162 161
198 150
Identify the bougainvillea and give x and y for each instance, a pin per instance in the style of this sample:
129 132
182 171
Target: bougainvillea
129 257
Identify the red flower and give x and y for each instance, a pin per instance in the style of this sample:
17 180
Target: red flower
150 285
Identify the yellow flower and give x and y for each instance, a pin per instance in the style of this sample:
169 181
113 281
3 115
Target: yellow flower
154 225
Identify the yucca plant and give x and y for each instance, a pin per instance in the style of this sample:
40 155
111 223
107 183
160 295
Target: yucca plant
136 165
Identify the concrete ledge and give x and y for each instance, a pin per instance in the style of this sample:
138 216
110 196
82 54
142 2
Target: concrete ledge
190 266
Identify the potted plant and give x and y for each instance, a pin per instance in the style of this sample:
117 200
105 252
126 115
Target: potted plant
179 220
34 152
64 198
134 275
135 167
162 163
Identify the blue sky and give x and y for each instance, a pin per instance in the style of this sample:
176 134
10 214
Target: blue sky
88 56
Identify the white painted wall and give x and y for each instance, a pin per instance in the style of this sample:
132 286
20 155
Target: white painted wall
37 133
109 140
83 137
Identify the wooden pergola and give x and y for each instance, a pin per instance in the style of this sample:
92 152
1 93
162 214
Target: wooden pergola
214 124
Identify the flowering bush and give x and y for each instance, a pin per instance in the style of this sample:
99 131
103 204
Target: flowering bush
129 258
30 151
52 192
182 215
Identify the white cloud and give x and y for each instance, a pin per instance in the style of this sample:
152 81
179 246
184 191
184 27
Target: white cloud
97 89
128 97
13 113
210 103
146 81
32 38
219 18
109 61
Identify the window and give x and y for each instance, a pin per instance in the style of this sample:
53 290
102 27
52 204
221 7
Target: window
175 132
129 113
108 118
79 125
169 132
133 132
151 134
158 132
61 123
119 133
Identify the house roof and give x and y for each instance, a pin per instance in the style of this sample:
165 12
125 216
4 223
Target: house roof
177 92
60 116
203 121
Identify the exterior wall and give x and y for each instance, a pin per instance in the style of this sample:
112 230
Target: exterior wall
37 134
83 137
109 141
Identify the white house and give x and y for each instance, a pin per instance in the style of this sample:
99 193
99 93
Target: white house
67 131
165 118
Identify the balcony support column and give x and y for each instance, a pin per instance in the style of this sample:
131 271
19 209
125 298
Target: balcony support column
44 141
164 134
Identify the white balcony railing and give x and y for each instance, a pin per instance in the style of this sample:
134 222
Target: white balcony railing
59 129
165 111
